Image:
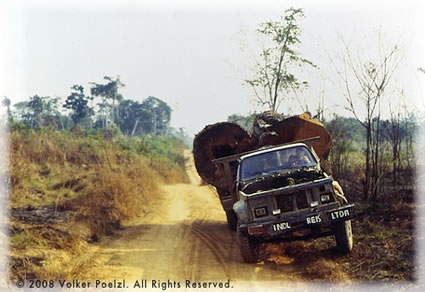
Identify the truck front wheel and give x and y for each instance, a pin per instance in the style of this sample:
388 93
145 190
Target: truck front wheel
232 220
344 236
249 247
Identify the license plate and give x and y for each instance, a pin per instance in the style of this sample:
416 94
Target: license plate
314 219
281 226
340 214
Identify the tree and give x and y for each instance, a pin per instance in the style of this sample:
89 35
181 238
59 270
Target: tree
21 112
51 115
370 79
245 122
78 102
134 118
6 102
160 113
393 131
40 112
36 105
33 112
273 78
340 129
152 116
110 99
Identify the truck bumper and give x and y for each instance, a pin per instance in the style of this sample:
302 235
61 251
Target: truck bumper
315 223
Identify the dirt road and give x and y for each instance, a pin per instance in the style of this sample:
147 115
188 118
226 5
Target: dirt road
185 237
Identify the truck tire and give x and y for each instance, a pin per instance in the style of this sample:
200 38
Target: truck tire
344 236
249 247
232 220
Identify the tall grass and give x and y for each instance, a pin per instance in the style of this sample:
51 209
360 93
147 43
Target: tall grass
45 163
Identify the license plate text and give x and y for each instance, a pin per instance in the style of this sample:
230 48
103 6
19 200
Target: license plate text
281 226
340 214
313 219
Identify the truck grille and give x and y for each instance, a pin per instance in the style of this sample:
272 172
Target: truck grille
292 202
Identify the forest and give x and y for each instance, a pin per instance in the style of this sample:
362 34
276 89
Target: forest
104 109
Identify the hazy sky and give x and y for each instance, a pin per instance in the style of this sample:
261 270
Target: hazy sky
194 56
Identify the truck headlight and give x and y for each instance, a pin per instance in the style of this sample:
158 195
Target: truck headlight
260 212
325 198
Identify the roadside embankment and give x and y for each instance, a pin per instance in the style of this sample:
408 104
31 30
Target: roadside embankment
67 189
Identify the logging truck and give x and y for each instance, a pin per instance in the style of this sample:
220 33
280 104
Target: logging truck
279 193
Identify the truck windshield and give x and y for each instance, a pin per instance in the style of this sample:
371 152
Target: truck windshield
274 161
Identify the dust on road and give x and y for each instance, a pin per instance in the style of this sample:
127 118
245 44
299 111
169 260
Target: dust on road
184 236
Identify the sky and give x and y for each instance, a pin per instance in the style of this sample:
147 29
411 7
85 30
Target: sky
195 55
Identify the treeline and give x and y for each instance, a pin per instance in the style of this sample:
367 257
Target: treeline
103 108
392 159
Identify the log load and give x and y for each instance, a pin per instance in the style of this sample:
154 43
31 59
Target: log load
297 128
217 141
269 128
265 127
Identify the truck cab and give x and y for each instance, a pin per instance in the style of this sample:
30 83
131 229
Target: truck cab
281 193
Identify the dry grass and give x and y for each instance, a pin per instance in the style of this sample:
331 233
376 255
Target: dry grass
385 242
383 249
67 190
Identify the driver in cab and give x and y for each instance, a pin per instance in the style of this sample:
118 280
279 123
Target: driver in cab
299 159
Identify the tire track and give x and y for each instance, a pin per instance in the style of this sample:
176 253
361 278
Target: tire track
214 243
193 270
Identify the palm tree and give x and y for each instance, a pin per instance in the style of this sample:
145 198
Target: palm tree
6 102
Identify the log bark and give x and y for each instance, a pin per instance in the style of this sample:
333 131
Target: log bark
216 141
296 128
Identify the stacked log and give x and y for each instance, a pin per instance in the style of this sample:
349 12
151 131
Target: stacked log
217 141
297 128
265 127
269 128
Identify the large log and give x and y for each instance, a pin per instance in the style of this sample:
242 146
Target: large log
216 141
296 128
